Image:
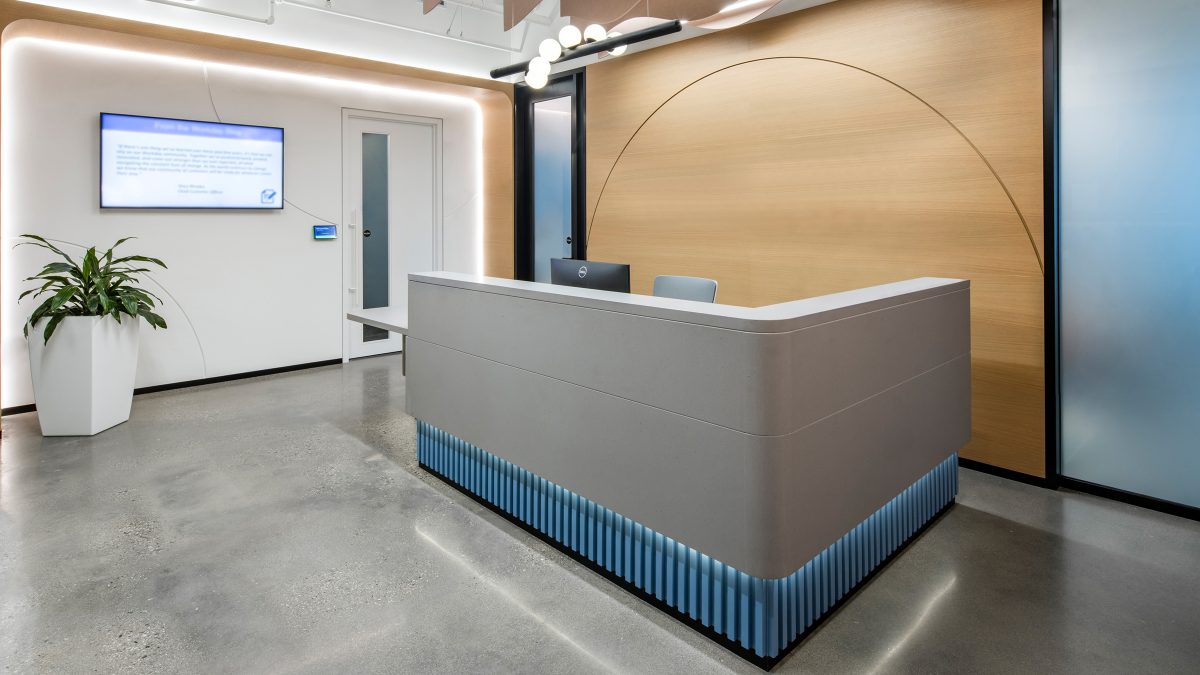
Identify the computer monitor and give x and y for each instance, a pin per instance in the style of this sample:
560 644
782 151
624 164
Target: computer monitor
601 276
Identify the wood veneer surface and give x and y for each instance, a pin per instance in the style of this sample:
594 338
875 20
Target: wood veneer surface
852 144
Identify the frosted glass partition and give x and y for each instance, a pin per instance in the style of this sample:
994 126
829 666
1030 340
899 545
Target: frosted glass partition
1130 245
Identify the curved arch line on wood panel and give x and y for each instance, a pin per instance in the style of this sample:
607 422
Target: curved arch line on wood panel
1024 224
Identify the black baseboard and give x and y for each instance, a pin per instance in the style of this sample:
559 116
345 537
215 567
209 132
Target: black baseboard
18 409
1006 473
735 647
1152 503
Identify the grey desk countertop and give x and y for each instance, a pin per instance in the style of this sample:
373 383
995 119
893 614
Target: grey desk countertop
394 319
778 318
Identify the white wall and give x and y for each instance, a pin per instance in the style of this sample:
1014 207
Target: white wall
245 290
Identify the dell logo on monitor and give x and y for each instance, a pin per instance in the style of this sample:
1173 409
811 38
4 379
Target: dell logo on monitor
582 271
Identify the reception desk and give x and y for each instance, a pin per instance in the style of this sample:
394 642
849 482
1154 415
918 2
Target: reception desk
743 468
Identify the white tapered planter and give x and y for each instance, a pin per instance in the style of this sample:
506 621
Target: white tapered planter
83 380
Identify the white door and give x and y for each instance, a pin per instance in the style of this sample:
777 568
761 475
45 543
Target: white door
392 199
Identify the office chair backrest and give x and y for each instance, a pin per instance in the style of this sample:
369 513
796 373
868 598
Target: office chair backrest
685 288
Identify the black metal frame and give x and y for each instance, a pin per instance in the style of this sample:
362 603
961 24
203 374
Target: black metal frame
567 84
1116 494
1050 236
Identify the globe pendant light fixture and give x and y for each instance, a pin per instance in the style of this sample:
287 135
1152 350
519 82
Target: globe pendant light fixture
574 43
539 72
594 33
549 49
570 36
537 80
539 65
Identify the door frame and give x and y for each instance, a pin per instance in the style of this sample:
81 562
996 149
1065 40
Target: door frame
565 84
351 231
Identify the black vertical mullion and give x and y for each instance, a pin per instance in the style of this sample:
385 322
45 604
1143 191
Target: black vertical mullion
1051 298
522 177
579 169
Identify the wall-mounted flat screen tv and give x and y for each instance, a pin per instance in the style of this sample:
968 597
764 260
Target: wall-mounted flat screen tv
161 163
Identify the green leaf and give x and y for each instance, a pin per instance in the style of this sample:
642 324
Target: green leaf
41 242
90 264
106 303
56 279
100 285
61 297
155 320
57 268
45 287
40 311
140 258
57 319
143 295
109 253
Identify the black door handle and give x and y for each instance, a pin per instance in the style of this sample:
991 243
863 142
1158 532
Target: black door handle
568 240
366 233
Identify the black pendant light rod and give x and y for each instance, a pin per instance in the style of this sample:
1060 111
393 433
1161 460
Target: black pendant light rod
599 46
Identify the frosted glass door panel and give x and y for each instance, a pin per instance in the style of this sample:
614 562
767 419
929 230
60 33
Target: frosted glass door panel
375 223
1130 246
551 184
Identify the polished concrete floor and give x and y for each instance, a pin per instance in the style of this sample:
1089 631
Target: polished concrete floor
280 525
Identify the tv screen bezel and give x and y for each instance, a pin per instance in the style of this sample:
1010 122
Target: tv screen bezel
282 168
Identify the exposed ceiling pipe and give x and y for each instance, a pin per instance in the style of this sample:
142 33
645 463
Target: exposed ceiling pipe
386 24
477 6
184 4
525 23
480 7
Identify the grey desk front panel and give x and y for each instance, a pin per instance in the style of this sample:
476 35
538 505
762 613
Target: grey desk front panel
762 383
764 504
756 435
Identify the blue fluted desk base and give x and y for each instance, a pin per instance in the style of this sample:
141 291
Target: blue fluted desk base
758 619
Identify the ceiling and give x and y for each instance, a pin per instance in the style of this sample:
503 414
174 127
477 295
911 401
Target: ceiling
466 37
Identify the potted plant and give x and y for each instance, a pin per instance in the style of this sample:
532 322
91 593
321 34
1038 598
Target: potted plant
83 380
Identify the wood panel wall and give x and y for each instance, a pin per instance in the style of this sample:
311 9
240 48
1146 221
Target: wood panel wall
855 143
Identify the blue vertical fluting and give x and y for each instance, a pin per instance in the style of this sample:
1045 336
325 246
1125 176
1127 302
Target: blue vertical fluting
763 616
